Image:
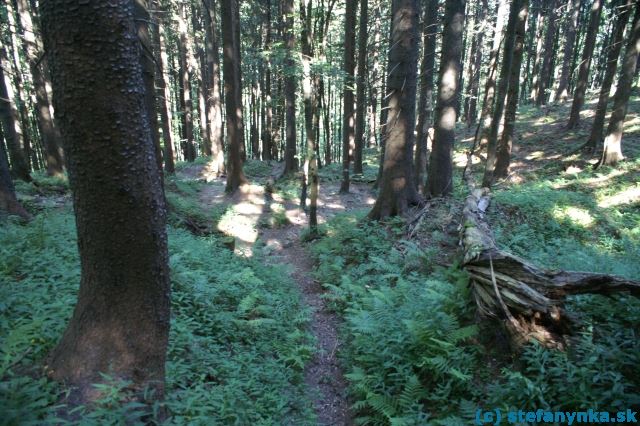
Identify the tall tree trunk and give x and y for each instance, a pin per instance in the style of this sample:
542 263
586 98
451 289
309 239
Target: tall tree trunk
185 71
233 95
425 99
475 62
546 70
163 92
374 76
503 85
9 119
397 188
506 139
45 121
267 134
585 64
440 181
612 152
348 114
612 65
290 163
360 87
120 324
214 102
8 201
537 53
490 85
573 10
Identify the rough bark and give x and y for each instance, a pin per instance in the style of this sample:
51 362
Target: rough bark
527 298
585 64
361 86
8 201
612 152
503 85
48 133
120 324
573 10
348 113
612 65
233 95
425 99
290 163
503 158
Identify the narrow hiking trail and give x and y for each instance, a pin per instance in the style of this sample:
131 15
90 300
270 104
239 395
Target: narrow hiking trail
252 207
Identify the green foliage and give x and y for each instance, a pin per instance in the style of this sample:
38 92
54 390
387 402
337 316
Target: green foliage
238 338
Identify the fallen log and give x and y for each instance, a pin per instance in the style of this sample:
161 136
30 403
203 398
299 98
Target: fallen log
528 298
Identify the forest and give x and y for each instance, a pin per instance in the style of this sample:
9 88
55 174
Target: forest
319 212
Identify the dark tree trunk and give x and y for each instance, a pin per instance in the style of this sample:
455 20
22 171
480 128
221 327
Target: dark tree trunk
9 118
348 114
163 93
585 64
267 133
120 324
490 85
506 139
48 132
397 187
503 85
612 152
185 71
546 70
8 201
536 51
475 64
233 95
573 10
425 99
612 65
361 85
214 102
290 163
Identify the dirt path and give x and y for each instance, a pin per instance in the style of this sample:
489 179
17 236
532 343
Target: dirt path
252 207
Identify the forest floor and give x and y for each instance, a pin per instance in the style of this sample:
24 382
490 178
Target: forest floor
371 323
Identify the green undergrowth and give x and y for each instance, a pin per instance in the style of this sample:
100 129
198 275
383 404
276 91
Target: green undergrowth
238 339
414 353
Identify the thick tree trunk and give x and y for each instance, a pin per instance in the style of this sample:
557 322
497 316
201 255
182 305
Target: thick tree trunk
290 163
612 152
120 324
573 10
425 99
397 188
8 201
48 132
348 114
233 95
546 70
506 139
361 85
585 64
612 65
163 93
482 137
503 85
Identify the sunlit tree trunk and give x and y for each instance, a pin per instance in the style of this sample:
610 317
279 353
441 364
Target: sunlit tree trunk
233 95
425 99
536 51
348 113
612 65
612 152
120 324
397 187
585 64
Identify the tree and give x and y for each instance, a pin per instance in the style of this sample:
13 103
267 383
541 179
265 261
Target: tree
471 103
348 114
360 87
440 174
185 71
612 65
585 64
612 152
233 95
397 188
120 324
8 201
503 85
546 70
425 99
290 89
573 11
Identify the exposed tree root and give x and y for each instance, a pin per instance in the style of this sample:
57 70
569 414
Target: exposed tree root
530 299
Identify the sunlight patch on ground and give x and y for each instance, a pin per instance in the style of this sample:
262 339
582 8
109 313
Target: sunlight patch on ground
576 215
628 196
595 182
